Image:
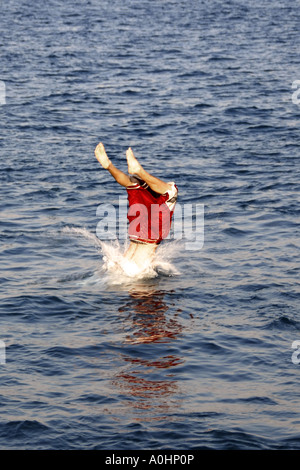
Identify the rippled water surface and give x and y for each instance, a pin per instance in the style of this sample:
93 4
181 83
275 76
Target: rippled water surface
197 355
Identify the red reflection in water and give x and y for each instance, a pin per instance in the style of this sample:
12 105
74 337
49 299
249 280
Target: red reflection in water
147 312
149 383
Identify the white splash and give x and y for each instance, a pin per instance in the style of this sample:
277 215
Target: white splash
83 232
119 269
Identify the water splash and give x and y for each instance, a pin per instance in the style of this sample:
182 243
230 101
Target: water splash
83 232
119 269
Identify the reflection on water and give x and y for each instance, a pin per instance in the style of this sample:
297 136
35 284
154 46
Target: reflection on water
148 378
147 313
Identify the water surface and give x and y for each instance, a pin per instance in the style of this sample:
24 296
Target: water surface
198 355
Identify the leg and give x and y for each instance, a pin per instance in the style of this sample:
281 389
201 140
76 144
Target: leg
134 167
102 158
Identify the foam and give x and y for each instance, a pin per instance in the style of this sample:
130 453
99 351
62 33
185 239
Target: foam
119 269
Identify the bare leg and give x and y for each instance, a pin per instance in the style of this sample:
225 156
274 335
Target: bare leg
103 159
135 168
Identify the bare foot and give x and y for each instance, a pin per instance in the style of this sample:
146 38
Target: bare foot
101 156
133 165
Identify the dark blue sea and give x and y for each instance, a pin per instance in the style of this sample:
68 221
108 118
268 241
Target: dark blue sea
199 354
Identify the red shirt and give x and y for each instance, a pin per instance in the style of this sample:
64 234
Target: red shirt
150 213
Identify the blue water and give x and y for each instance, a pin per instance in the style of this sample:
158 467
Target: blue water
198 356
